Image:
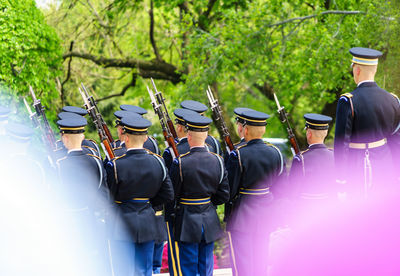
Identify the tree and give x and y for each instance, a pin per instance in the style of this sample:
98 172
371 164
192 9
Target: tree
30 52
247 50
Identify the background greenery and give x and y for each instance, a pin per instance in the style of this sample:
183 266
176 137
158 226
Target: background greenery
246 50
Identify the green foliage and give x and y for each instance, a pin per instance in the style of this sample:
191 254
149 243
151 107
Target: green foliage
30 52
246 49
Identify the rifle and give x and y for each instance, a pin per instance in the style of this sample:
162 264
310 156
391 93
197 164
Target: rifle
219 119
284 119
48 134
168 136
101 126
161 101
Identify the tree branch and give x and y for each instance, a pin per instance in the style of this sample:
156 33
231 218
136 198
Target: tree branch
156 69
205 16
153 42
68 73
132 83
314 15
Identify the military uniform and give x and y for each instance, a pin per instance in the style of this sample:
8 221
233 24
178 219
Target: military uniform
312 175
367 123
200 184
137 179
253 169
212 144
151 145
83 185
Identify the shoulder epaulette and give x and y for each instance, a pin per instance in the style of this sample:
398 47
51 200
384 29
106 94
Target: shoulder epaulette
150 152
118 157
89 148
91 140
304 151
216 154
242 146
182 155
93 155
117 148
347 95
394 95
60 159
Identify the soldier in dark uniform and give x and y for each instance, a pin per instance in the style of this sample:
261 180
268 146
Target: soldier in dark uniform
311 176
151 143
253 169
83 188
183 147
137 179
200 184
181 131
120 148
86 143
213 144
88 146
367 122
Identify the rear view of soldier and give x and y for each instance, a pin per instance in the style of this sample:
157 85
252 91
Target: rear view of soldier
138 179
200 184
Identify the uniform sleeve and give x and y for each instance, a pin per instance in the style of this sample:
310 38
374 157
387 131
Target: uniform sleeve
343 130
110 174
165 194
167 158
222 195
295 177
174 173
234 173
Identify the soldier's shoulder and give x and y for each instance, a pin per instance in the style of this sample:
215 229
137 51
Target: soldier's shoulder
91 140
346 96
92 155
184 155
153 154
118 157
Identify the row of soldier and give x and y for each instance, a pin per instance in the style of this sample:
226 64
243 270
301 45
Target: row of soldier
142 184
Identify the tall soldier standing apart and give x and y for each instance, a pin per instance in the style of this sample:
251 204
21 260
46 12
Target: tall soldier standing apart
213 144
253 169
200 184
367 123
136 179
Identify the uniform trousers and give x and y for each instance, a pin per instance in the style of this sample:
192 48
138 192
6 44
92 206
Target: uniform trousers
249 253
196 258
133 259
157 257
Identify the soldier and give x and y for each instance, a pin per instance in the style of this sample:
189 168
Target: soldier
240 124
367 119
181 131
212 143
200 184
86 143
137 179
151 143
183 147
83 188
253 169
312 172
88 146
120 148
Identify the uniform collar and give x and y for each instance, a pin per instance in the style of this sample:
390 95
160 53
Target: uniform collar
135 151
198 149
75 152
317 146
366 83
255 141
